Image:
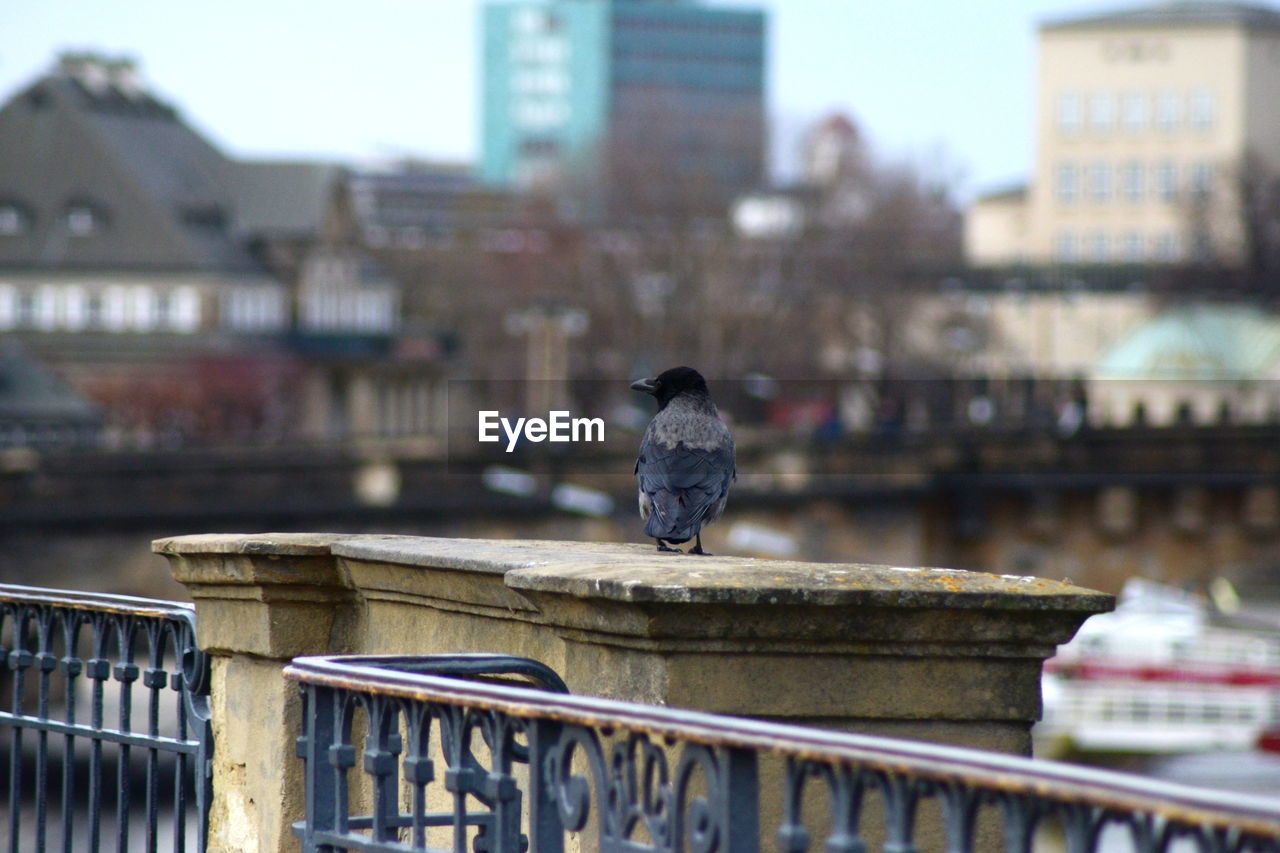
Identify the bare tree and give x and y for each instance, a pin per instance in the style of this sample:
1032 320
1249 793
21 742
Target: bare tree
1257 196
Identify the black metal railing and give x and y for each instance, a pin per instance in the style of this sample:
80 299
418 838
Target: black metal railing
76 751
504 769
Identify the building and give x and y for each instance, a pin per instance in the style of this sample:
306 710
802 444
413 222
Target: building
115 216
1148 123
623 93
1196 364
192 297
419 205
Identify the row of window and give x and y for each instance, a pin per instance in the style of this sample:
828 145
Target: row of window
79 220
529 21
134 308
1132 180
540 80
1191 709
1134 112
115 308
721 27
256 309
1126 247
366 311
1210 647
695 55
540 51
539 113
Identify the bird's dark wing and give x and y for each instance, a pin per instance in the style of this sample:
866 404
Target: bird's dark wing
686 486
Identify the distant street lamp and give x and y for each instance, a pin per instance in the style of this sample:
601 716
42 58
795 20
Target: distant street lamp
548 330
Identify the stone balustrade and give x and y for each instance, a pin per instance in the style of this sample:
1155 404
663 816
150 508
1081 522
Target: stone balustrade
931 654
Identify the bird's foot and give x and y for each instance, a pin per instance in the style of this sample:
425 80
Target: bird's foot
697 549
662 546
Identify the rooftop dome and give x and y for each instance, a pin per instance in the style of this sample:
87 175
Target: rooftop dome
1198 342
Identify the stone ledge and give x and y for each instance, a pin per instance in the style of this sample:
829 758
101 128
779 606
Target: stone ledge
266 544
637 573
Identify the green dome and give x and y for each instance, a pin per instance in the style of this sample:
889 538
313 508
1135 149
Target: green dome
1198 342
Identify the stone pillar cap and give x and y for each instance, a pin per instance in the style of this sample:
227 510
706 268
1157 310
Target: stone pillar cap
267 544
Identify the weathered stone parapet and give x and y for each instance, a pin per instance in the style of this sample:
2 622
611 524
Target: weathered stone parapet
934 654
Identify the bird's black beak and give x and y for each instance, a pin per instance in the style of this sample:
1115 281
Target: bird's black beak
646 385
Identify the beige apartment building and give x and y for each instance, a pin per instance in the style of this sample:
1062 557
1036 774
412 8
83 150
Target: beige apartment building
1148 121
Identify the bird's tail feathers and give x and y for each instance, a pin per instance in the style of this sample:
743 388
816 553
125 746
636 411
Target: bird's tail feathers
670 520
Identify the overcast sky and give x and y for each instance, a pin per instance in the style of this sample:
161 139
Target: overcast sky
945 84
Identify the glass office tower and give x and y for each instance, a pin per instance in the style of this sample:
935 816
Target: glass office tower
652 101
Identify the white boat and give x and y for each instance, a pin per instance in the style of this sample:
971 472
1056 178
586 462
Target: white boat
1167 672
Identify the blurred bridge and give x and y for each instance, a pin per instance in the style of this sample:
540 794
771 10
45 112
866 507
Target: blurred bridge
1178 503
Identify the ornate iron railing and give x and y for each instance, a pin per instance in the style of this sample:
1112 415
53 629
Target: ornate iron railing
74 745
503 769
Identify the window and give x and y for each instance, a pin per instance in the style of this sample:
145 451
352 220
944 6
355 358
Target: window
1099 181
82 220
46 307
1166 178
1201 180
1064 247
1131 181
93 310
1096 247
73 307
1131 247
373 312
1068 183
13 220
253 309
1068 116
143 308
540 50
163 310
1165 247
540 113
1202 109
184 313
1168 111
1135 112
115 317
530 21
1102 113
25 310
7 295
1202 250
540 80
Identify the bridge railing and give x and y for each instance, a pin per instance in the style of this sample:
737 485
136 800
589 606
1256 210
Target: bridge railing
108 727
394 755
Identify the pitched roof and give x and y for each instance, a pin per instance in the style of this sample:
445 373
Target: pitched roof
1178 13
29 392
157 190
281 198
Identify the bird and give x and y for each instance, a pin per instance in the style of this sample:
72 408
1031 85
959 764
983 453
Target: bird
686 462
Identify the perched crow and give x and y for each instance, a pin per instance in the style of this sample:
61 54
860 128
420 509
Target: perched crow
686 460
